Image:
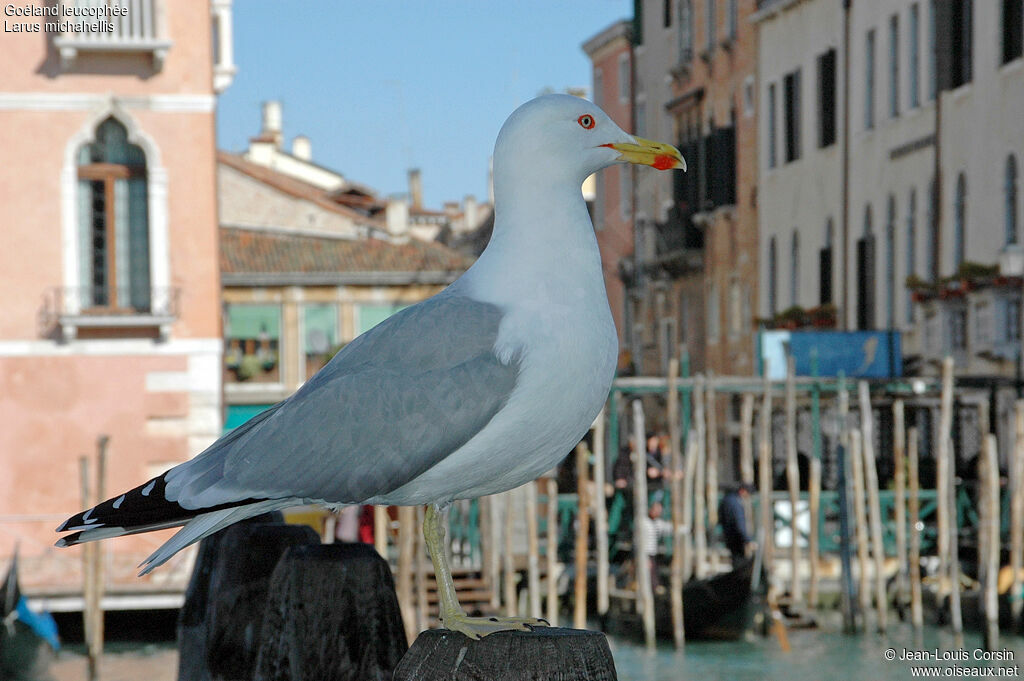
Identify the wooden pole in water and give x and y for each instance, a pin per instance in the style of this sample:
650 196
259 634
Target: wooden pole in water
793 480
420 561
990 526
711 474
916 611
96 643
406 548
532 550
676 488
874 506
747 456
600 516
509 568
645 597
1016 488
688 477
900 438
857 461
956 613
582 538
495 523
700 530
814 493
943 471
552 550
983 490
380 530
765 475
88 582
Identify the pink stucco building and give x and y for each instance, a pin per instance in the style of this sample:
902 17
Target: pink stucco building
110 318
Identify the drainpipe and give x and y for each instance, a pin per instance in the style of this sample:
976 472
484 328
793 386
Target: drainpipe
845 199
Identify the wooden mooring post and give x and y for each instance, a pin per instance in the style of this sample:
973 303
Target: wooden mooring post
331 614
989 526
676 487
544 653
765 476
532 550
700 529
1016 490
579 618
874 506
914 507
899 482
861 520
645 592
747 457
793 481
711 474
406 553
600 517
551 559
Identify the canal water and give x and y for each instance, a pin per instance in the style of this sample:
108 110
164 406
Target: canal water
823 654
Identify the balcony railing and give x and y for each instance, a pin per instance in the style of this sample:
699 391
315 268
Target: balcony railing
132 26
66 310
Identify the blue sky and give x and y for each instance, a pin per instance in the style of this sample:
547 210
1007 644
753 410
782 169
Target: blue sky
387 85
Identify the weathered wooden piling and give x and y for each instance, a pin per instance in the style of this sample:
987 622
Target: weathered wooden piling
544 653
331 615
220 623
420 561
711 473
860 516
380 530
765 475
874 506
582 537
956 612
914 507
989 526
600 517
1016 489
509 594
814 495
687 496
899 482
747 456
551 559
700 528
645 592
532 549
793 481
676 488
407 529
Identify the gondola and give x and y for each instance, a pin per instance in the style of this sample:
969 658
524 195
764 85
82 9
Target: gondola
715 608
28 640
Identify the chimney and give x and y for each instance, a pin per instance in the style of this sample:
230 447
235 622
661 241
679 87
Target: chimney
272 121
415 188
469 217
302 148
396 215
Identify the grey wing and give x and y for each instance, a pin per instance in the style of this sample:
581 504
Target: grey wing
390 405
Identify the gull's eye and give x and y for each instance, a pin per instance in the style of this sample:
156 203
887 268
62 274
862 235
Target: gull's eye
586 120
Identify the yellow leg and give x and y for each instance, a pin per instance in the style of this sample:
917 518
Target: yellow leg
452 615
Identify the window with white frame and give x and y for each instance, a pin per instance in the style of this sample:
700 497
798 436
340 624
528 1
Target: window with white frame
1010 200
869 80
113 222
911 251
894 66
959 222
913 66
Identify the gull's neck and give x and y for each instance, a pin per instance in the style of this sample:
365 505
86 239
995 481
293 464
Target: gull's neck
543 245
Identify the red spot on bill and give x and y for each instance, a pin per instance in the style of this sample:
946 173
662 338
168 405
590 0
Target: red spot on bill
664 162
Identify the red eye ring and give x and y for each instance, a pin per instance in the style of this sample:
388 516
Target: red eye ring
586 121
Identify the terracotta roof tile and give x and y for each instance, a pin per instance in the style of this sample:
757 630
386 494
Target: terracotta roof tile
261 252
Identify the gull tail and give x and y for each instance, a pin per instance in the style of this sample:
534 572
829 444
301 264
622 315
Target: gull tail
147 508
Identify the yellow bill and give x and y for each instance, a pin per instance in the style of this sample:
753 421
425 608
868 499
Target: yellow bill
645 152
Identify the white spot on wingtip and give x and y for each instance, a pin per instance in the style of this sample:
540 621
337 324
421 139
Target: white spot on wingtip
120 500
148 488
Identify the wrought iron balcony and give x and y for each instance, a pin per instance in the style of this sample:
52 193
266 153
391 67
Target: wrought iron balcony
66 310
137 26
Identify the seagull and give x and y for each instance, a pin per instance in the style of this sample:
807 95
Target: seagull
475 391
